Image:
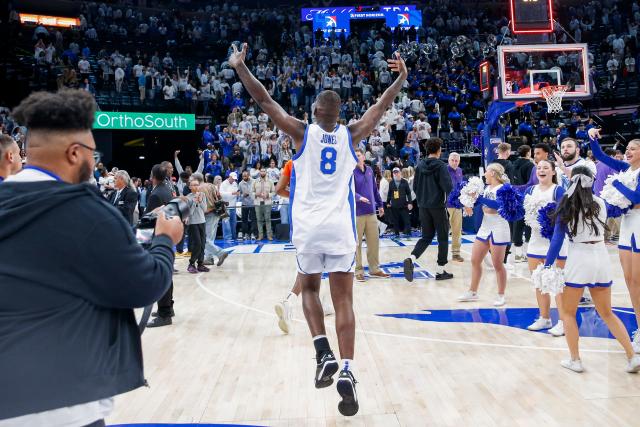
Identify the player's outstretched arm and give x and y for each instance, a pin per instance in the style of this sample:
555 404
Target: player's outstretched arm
370 119
290 125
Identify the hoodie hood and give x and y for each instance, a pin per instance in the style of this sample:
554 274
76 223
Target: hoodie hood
21 203
431 165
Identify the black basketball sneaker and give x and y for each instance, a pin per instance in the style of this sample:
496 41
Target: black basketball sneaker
327 367
346 386
408 270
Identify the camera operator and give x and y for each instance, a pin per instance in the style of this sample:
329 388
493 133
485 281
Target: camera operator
71 274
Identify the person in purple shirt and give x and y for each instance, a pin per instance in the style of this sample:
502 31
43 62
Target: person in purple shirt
455 215
368 203
603 172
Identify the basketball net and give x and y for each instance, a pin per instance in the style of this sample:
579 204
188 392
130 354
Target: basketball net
553 95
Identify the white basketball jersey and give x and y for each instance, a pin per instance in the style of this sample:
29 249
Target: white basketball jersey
322 193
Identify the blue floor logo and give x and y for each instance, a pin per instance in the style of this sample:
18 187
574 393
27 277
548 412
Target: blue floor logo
396 271
589 322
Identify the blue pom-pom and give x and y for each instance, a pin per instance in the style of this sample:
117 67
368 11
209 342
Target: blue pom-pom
545 219
615 211
511 203
454 196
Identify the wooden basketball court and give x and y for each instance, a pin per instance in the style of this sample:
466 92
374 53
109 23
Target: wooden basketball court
432 361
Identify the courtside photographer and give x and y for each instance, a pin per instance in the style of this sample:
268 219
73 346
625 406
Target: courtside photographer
71 273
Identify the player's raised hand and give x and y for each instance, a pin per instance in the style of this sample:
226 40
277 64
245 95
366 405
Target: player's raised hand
397 65
237 56
594 133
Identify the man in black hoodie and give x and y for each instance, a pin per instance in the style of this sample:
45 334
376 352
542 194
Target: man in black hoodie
432 184
70 276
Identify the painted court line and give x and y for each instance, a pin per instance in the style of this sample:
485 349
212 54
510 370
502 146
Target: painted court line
409 337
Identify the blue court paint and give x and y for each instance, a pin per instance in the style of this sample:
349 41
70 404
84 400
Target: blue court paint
589 322
396 271
286 246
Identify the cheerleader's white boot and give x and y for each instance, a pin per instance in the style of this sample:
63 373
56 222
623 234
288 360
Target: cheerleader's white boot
635 342
558 330
634 364
573 365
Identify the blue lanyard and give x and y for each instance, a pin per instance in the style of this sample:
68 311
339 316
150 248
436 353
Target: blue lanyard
44 171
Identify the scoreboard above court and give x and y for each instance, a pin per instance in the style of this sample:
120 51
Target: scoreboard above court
531 16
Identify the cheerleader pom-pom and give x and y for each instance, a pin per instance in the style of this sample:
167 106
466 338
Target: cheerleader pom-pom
615 211
545 220
548 280
511 203
611 193
454 196
531 206
470 192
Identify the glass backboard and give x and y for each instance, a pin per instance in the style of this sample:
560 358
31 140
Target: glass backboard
525 69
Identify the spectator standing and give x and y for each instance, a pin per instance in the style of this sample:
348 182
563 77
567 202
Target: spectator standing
197 206
504 152
207 137
263 192
383 188
125 198
455 214
229 192
161 194
249 226
368 203
212 219
522 166
273 172
399 202
119 78
10 160
432 184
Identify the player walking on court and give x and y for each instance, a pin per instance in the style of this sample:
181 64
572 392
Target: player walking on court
323 213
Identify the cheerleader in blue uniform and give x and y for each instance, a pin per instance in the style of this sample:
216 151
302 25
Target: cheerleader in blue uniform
629 241
546 192
581 217
494 234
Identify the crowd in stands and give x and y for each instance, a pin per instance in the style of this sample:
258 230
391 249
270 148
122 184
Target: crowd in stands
177 63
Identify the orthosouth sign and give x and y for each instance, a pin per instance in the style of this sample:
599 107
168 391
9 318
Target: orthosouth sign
143 121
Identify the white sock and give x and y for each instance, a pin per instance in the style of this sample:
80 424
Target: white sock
317 337
440 269
292 298
347 364
413 258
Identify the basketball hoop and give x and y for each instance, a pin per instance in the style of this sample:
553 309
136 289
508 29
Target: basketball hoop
553 95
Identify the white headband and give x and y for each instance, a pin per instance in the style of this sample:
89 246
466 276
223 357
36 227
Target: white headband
584 180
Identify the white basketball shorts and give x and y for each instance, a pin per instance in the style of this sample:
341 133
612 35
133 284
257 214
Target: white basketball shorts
309 263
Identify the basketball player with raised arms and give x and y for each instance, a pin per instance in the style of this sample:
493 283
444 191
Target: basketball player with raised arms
323 227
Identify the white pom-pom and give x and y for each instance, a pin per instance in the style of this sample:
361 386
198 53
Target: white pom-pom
471 191
548 280
611 194
532 205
